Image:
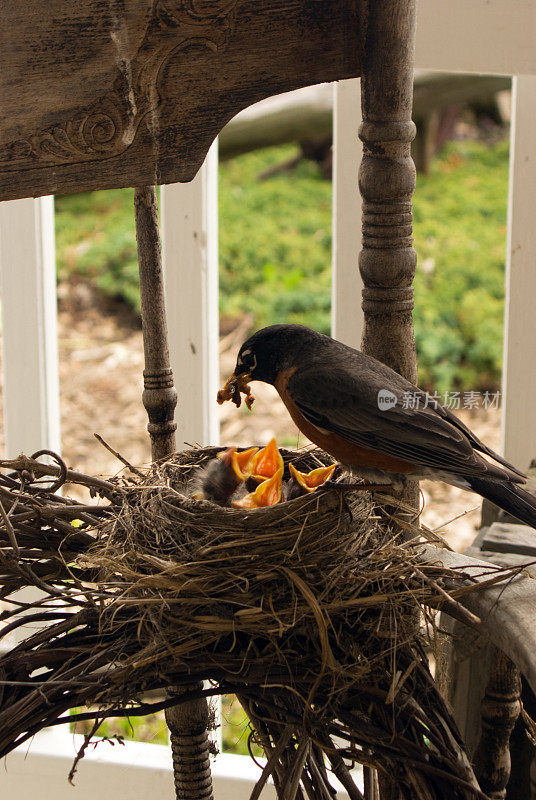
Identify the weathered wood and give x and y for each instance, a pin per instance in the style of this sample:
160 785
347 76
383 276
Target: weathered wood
387 182
469 660
133 92
505 609
499 711
504 537
485 688
159 395
483 685
187 723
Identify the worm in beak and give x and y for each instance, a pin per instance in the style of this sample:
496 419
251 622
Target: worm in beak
232 389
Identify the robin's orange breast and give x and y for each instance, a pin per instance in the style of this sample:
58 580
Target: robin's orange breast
344 451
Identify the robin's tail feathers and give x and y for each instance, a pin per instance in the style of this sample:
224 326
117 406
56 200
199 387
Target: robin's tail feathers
508 496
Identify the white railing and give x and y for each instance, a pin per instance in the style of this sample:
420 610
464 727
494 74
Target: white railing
482 36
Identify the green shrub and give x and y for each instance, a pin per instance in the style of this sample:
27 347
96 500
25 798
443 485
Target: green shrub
460 232
275 241
275 252
95 239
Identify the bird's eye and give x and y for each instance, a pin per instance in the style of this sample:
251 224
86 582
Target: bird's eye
248 360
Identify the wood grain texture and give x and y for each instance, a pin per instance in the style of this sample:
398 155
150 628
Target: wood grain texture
387 260
504 608
387 181
159 394
500 709
132 92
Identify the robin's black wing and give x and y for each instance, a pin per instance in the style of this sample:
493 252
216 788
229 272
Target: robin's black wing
345 401
476 442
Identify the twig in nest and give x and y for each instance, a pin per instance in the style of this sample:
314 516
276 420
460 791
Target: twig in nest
9 529
341 771
121 458
294 774
58 483
23 463
87 741
272 763
82 751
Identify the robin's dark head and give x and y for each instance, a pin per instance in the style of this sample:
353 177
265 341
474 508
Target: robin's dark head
271 350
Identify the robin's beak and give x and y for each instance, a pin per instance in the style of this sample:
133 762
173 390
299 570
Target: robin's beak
233 387
310 481
267 462
242 463
267 493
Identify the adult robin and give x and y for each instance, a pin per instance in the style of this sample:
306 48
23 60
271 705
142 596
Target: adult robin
372 420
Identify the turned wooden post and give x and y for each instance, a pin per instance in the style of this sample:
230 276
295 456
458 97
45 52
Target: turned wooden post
499 711
387 181
187 722
159 395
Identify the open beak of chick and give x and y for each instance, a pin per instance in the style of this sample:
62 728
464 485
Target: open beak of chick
307 482
267 470
267 493
232 469
267 462
234 387
243 463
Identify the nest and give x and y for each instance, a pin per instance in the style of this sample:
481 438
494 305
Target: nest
305 610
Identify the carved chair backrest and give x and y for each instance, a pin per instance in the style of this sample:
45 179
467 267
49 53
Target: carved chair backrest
99 95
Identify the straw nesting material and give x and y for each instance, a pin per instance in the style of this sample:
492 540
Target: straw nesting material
306 610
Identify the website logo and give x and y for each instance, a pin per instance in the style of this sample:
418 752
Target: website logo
386 400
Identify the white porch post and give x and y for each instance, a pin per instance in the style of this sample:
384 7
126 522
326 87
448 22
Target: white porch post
29 326
519 370
29 334
190 257
346 286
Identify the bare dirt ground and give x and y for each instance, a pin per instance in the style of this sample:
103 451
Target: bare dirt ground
101 364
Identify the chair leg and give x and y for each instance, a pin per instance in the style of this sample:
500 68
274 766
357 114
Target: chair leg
188 722
500 709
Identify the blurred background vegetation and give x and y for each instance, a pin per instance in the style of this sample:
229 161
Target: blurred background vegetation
152 728
275 252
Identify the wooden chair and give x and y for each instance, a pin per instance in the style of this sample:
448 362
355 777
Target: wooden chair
484 662
486 688
133 93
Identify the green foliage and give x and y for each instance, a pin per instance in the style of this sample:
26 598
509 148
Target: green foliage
151 728
275 242
460 229
235 728
275 252
95 239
